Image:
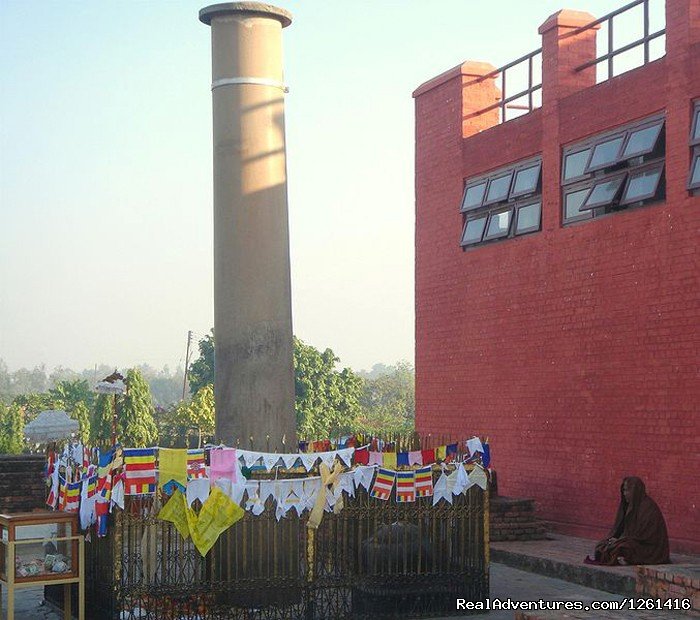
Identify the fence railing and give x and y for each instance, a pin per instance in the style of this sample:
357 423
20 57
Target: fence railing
608 21
531 66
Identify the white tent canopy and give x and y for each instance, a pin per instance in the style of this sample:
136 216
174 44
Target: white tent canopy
50 425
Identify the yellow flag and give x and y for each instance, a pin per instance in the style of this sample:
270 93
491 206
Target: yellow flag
175 511
389 460
172 465
441 453
218 513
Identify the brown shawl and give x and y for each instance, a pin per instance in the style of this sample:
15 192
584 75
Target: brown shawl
639 530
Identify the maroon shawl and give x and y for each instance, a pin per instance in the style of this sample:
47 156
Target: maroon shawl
639 530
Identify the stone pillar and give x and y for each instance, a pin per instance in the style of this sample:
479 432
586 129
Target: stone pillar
254 385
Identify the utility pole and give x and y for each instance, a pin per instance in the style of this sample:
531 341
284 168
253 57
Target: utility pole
187 364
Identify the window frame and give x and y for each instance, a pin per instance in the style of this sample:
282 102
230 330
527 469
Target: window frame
660 122
660 166
507 209
527 203
528 192
616 136
507 173
583 215
565 154
694 160
600 181
695 121
485 217
482 181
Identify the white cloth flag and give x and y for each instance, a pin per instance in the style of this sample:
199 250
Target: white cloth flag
198 488
308 460
345 455
270 460
347 483
87 505
442 490
328 458
249 458
363 476
474 445
312 487
478 477
461 480
289 460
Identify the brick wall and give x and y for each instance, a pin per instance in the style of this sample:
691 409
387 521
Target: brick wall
22 483
575 349
514 519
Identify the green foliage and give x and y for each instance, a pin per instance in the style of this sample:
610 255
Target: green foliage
72 392
81 413
201 371
135 423
33 404
11 429
101 423
327 401
189 419
389 401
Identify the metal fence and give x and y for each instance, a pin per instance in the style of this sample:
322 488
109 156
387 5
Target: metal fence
374 559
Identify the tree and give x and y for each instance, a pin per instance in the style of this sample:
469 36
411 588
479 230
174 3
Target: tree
72 392
101 423
202 369
195 417
326 400
388 401
135 424
11 429
81 413
33 404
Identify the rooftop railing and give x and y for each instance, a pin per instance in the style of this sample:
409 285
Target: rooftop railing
645 47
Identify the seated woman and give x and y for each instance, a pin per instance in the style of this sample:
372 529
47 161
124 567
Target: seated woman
639 535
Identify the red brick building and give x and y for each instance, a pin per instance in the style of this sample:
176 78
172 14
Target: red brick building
558 274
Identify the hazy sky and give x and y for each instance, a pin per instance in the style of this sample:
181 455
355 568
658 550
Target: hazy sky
106 169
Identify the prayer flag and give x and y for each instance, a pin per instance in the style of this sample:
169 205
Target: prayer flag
441 453
195 464
415 457
486 456
402 458
375 458
61 493
406 486
140 470
428 456
72 497
389 459
424 482
362 456
104 474
451 449
383 484
172 465
222 464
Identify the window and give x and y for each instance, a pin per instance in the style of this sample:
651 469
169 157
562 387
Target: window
528 218
694 176
502 204
614 171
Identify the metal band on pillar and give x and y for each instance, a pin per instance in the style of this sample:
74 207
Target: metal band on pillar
249 80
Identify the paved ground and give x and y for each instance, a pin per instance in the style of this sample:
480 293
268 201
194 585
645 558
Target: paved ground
505 582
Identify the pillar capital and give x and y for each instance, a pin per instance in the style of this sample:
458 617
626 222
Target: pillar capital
256 9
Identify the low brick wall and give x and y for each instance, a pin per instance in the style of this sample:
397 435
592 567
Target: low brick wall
672 581
22 484
514 519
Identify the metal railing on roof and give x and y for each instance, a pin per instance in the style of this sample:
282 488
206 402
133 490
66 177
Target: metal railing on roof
506 101
611 53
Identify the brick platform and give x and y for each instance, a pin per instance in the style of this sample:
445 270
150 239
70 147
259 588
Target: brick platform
670 582
22 485
514 519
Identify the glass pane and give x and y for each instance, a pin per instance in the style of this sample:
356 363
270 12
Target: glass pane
39 553
572 202
526 180
696 128
473 231
499 223
528 217
642 141
498 188
474 196
641 185
605 153
575 164
603 193
695 177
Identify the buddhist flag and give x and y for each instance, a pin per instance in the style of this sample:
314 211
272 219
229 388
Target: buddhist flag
424 482
61 493
73 496
104 474
406 486
389 459
195 464
172 465
383 484
140 469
